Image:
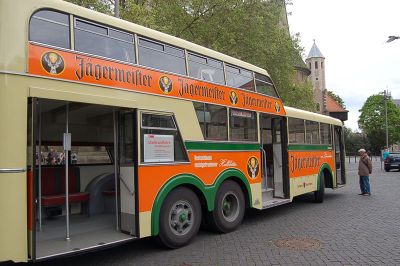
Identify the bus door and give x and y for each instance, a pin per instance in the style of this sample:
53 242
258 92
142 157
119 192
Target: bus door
339 156
271 141
81 197
127 171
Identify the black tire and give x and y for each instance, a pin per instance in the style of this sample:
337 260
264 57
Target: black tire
319 194
180 218
387 169
229 208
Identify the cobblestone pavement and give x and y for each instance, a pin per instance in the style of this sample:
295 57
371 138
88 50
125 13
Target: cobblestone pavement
347 229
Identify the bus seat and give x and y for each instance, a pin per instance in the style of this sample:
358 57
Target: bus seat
53 186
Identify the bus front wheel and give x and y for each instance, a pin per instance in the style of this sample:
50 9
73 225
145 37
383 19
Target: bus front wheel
229 207
180 218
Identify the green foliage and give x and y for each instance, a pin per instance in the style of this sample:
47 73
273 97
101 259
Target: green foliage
249 30
372 121
355 141
300 91
337 98
103 6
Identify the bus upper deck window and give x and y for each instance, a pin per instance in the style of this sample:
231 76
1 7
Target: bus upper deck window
264 85
239 78
161 56
205 68
110 42
50 27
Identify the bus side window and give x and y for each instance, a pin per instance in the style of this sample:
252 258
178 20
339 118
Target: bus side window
326 134
161 128
243 125
239 78
296 130
205 68
50 27
110 42
161 56
213 120
312 132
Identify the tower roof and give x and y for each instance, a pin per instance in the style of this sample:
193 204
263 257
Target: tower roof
315 52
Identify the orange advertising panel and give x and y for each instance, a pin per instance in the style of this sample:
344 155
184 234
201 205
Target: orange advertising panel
304 163
73 66
207 166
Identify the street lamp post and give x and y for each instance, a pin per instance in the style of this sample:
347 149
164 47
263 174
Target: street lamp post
386 97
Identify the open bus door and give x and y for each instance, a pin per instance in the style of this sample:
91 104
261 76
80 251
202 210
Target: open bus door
339 156
127 171
79 198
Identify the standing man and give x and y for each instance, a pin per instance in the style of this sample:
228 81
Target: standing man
364 169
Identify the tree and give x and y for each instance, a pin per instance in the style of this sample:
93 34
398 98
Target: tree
354 141
337 98
372 121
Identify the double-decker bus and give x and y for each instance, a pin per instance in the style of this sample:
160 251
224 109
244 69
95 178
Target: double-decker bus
112 132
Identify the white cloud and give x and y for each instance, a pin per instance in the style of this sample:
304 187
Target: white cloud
352 36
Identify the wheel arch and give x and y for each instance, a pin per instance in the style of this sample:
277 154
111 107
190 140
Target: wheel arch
326 172
183 180
205 194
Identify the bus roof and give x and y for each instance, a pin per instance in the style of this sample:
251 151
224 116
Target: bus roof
297 113
138 29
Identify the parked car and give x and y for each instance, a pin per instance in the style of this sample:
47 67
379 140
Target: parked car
392 161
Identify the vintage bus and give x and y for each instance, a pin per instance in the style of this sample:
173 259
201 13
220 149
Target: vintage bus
112 132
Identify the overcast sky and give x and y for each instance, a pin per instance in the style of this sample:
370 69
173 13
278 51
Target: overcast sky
352 34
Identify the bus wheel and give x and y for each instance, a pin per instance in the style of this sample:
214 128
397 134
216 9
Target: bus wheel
180 218
229 207
319 194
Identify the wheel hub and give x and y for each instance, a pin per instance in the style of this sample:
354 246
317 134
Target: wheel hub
230 206
181 217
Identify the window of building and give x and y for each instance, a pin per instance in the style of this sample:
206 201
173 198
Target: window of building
243 125
264 85
239 78
109 42
326 137
312 132
316 65
50 27
161 140
205 68
318 107
213 120
296 130
161 56
309 65
322 64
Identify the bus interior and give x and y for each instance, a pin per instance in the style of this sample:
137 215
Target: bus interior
90 149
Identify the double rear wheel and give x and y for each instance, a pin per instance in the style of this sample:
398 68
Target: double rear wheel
229 208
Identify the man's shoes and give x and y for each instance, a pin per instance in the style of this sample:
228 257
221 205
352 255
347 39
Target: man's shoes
366 194
362 194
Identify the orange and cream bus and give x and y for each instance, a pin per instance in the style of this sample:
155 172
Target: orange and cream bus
112 132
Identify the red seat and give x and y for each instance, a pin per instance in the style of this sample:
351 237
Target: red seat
53 186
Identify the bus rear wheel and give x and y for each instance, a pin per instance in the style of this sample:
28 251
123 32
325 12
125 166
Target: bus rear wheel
180 218
319 194
229 208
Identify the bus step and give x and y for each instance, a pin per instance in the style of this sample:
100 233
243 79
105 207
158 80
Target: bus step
274 202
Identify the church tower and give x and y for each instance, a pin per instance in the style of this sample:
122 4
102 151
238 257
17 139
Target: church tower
316 63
